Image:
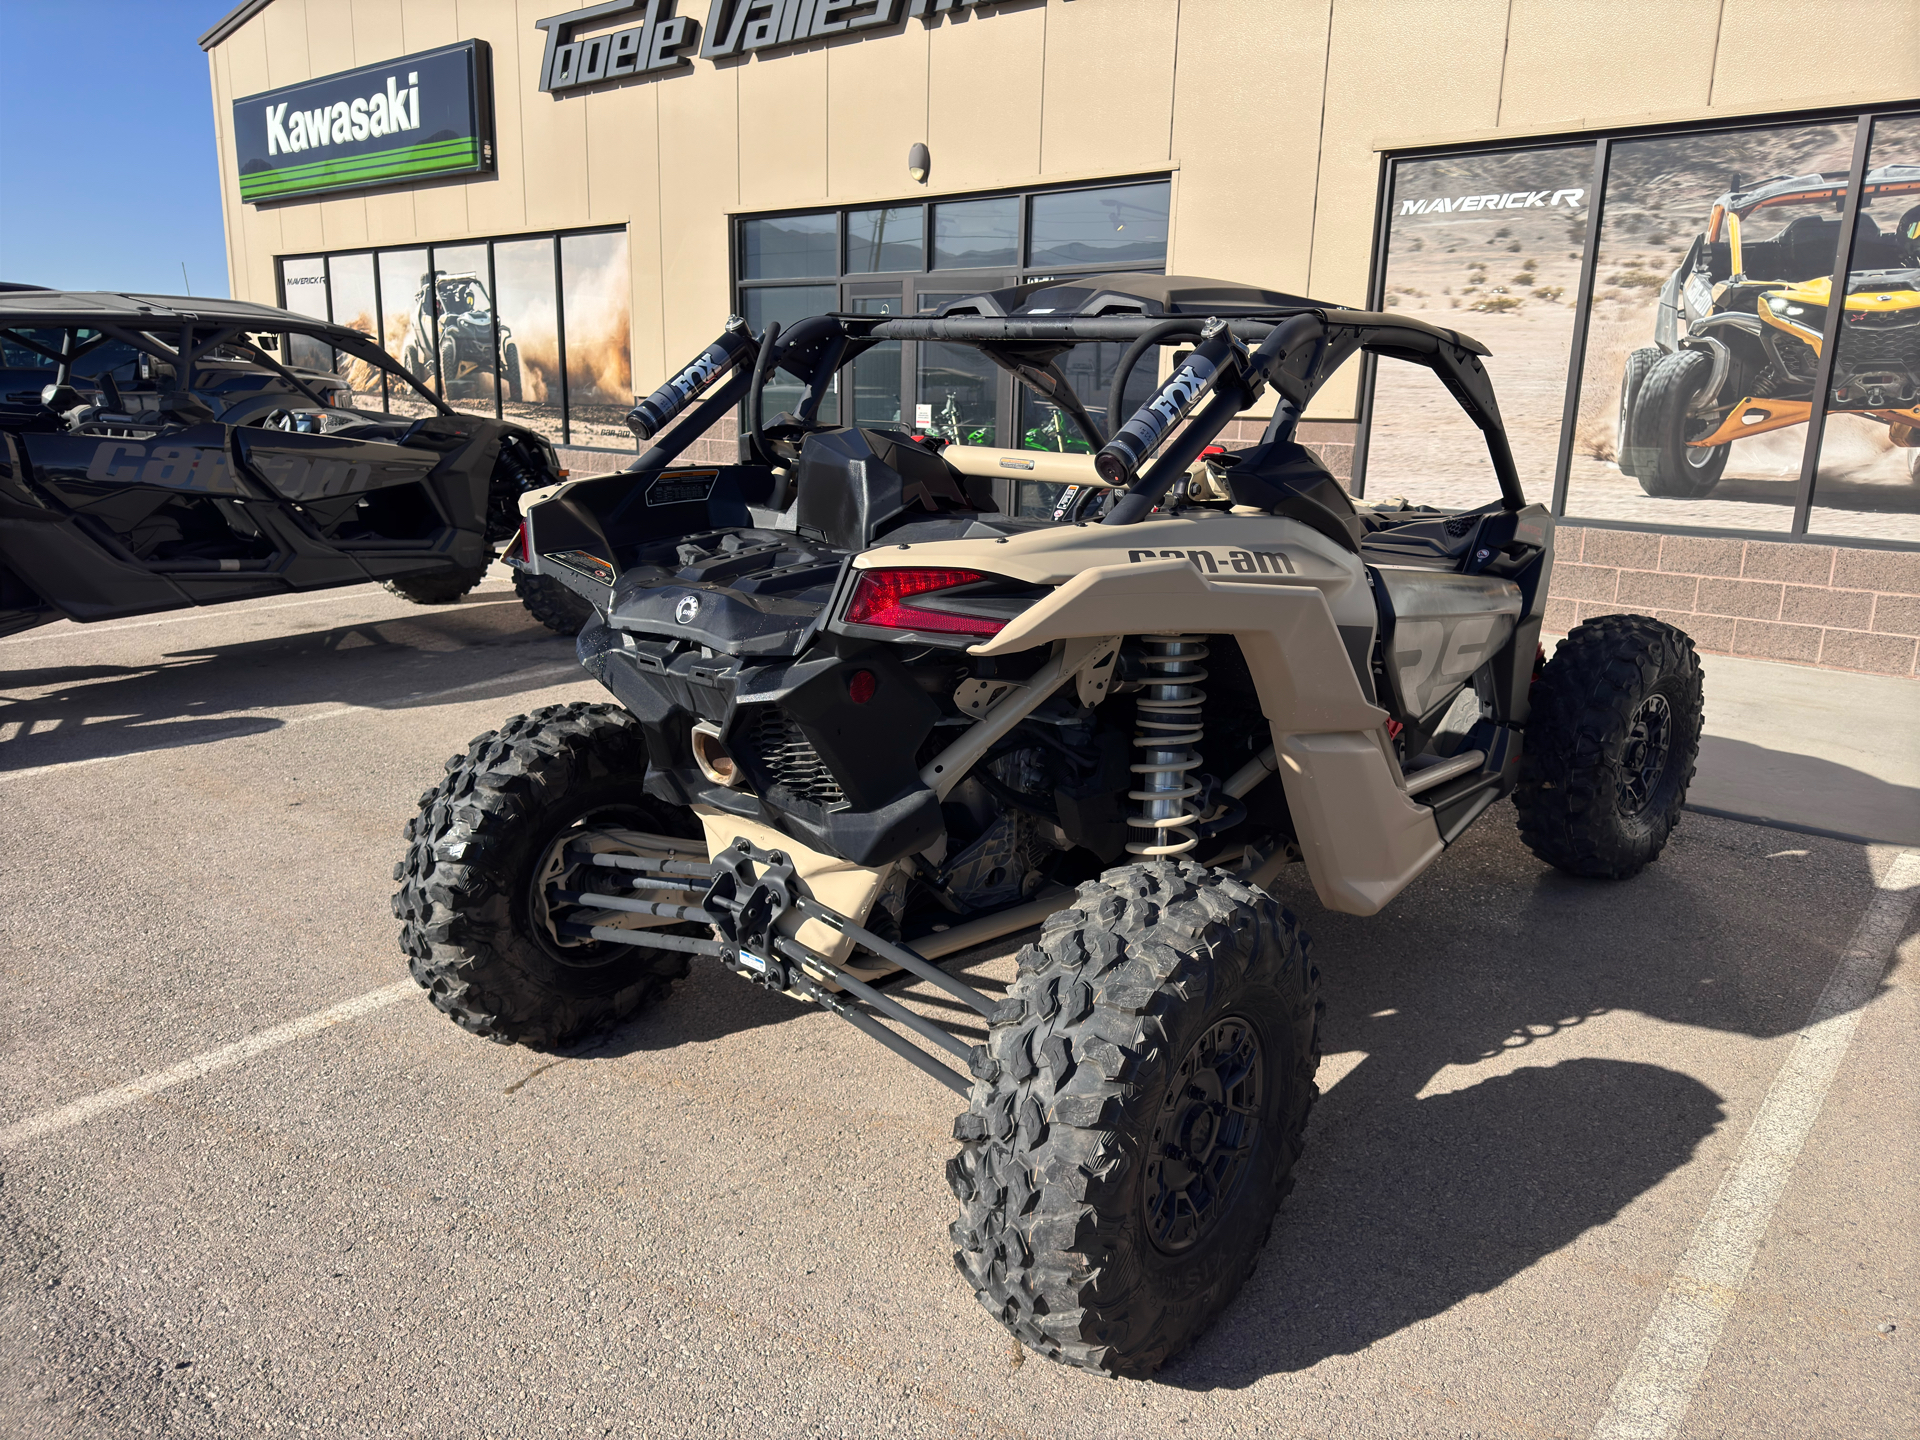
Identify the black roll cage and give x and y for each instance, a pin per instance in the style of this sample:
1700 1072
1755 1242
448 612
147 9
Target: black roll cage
1298 351
199 338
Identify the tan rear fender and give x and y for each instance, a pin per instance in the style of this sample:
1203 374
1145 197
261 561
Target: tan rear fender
1362 837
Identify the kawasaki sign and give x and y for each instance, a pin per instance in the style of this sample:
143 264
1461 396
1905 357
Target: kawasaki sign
650 38
406 119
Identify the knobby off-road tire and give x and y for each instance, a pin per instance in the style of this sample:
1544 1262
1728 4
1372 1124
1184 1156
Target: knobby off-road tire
467 882
440 587
1664 463
1632 375
551 603
1610 746
1116 1048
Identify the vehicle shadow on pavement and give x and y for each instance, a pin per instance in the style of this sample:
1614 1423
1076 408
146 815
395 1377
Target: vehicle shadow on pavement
188 697
1743 779
1423 1183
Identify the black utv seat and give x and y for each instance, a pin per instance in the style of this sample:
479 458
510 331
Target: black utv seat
856 484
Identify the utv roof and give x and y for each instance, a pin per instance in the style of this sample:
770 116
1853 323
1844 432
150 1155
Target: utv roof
1131 293
1823 185
97 309
1124 307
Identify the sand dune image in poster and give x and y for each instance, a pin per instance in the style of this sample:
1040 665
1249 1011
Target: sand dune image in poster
1490 246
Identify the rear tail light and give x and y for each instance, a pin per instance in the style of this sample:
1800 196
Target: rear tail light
516 552
880 597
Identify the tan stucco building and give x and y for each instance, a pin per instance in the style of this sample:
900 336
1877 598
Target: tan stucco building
1335 149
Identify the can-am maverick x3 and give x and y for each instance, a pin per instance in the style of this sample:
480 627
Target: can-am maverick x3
866 723
159 455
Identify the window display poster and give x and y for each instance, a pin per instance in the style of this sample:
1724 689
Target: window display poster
1490 246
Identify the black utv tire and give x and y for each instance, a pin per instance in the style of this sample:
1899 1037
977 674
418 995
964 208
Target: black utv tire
1170 1002
440 587
1665 464
466 883
551 603
1632 376
1610 746
449 366
513 371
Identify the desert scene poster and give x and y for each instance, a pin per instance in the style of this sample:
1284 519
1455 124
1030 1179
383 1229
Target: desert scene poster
1491 245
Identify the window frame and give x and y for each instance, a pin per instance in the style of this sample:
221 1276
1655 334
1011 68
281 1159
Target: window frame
1602 140
913 282
564 407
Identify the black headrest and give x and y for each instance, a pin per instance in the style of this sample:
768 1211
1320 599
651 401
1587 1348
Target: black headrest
1286 478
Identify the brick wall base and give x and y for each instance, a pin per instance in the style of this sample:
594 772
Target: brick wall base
1826 605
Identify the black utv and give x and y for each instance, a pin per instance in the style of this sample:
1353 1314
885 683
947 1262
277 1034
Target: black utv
159 454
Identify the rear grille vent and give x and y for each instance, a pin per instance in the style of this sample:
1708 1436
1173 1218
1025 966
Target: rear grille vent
1461 524
790 760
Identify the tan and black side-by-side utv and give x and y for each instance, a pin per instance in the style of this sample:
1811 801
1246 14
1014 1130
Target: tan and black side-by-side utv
867 722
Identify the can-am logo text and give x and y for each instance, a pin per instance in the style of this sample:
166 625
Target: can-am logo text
1513 200
381 113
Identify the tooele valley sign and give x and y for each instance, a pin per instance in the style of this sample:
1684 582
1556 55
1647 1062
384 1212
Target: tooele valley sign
660 40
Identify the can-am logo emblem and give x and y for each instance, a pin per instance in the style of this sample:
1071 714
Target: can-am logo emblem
688 607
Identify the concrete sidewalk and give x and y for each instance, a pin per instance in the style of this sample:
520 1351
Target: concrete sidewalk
1822 750
1826 751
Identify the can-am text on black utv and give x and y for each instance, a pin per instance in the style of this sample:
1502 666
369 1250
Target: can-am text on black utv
866 723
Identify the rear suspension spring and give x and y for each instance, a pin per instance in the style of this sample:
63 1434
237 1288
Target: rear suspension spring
1168 725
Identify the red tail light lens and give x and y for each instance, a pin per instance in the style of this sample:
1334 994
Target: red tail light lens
880 598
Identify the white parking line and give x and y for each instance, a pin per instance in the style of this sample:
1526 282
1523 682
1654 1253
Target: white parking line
412 702
48 1122
1651 1398
199 613
204 612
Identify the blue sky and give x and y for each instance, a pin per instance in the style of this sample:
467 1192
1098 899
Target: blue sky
109 179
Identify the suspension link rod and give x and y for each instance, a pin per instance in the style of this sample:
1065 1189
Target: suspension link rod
900 956
907 1051
701 868
654 882
632 907
885 1004
658 939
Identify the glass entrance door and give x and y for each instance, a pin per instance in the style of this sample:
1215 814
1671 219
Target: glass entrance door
958 393
877 378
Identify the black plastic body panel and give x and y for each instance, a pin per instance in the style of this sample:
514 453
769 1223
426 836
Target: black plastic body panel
99 524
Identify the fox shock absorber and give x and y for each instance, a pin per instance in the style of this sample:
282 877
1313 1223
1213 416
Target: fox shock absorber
734 348
1218 354
1167 725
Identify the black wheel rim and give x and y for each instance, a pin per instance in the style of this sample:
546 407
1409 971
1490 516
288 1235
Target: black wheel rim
1643 762
1204 1138
549 870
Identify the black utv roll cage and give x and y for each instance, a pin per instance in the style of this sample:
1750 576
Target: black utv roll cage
140 321
1234 358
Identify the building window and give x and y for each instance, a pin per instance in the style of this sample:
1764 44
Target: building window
534 329
912 258
1658 307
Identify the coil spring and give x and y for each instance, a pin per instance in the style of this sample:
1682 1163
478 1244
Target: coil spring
1167 725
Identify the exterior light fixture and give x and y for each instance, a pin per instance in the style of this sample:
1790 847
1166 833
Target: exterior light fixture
919 162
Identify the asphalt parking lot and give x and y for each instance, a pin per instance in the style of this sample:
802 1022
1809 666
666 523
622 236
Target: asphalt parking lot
1627 1160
